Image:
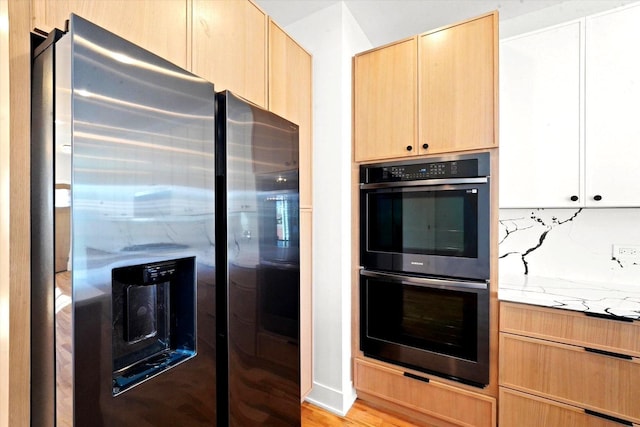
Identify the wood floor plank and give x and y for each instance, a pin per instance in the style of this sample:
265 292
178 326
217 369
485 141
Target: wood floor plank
360 415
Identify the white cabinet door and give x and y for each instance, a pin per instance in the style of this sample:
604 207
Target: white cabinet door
612 115
540 142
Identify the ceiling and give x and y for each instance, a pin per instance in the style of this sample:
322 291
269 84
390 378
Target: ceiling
385 21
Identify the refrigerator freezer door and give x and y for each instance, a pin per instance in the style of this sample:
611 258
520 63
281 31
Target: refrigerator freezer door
134 149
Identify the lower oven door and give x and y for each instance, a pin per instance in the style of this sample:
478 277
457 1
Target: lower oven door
432 325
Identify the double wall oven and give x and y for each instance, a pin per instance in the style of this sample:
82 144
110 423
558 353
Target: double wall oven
424 252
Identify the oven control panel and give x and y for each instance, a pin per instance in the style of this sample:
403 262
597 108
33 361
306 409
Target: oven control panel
427 169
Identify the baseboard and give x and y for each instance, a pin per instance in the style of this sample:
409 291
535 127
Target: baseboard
333 400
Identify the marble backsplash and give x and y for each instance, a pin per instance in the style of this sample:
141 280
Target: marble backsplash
569 244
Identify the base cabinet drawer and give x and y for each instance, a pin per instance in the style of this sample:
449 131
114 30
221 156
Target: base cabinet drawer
525 410
447 405
598 381
570 327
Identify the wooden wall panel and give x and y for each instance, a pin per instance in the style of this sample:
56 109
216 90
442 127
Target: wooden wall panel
14 228
4 213
306 301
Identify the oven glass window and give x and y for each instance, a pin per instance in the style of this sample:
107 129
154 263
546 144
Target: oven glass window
437 320
424 222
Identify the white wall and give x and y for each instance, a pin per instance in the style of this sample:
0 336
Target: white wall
562 12
332 36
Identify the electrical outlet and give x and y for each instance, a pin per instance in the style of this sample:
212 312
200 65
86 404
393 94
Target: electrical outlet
627 252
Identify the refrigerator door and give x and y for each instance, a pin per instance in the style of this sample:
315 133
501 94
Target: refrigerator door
258 190
132 211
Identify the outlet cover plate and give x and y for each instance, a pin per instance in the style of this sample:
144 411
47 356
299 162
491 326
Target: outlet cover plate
626 253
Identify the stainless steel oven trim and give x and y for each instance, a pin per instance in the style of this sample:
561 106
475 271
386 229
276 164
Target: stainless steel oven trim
401 263
427 282
475 373
426 182
484 162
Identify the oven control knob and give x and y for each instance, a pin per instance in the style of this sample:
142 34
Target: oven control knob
597 197
574 198
409 148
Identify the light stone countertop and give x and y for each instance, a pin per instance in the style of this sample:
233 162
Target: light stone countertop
601 298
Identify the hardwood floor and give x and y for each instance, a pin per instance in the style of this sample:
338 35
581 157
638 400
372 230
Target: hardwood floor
360 415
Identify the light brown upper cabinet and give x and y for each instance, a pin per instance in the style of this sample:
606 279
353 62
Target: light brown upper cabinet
435 93
290 96
161 30
230 47
458 86
385 101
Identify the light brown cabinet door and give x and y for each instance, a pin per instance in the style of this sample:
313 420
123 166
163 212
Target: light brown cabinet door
570 327
230 47
385 96
526 410
290 94
160 27
437 403
458 87
600 381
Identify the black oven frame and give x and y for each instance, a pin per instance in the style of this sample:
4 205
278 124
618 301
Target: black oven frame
471 372
477 268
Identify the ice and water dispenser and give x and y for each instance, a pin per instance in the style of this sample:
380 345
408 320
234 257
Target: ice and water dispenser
153 319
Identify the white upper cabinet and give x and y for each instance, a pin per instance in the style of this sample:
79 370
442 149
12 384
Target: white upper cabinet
569 126
540 118
612 116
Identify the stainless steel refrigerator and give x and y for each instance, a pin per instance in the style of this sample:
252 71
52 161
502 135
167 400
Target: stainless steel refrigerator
129 294
258 213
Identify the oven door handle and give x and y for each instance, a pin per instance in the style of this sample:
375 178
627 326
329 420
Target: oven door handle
425 182
426 282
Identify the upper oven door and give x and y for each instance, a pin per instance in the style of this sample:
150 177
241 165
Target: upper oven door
436 230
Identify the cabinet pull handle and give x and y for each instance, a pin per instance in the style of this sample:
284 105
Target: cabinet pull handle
416 377
409 148
574 198
597 197
609 317
608 353
608 417
425 146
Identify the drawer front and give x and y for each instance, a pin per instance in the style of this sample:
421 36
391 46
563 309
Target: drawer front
570 327
446 403
572 375
525 410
